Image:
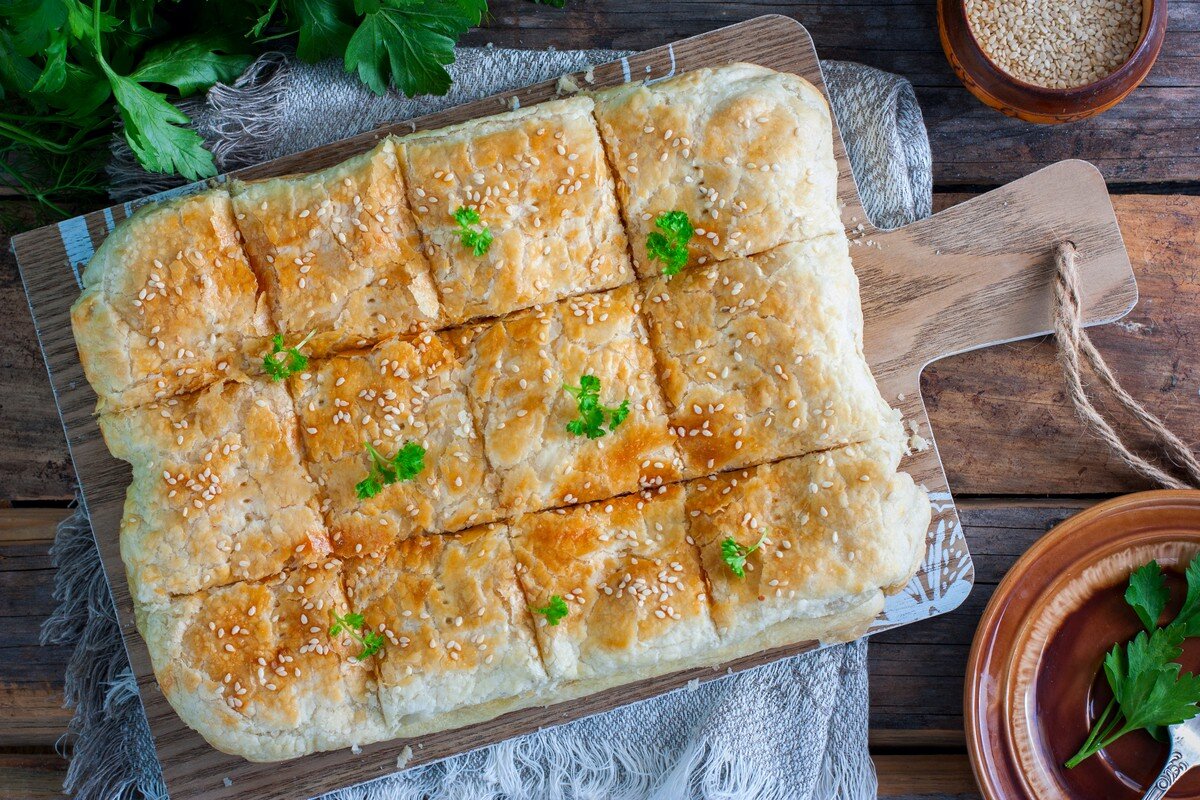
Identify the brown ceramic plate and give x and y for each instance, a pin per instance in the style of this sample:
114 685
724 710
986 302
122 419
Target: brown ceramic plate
1034 677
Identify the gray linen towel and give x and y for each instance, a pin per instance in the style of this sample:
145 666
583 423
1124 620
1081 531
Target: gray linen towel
793 730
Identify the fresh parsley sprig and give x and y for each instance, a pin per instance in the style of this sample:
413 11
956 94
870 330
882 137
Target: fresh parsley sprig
1149 690
592 412
284 362
735 555
554 611
352 624
671 245
404 466
474 236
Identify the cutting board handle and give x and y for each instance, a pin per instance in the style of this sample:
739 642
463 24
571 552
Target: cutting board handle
981 273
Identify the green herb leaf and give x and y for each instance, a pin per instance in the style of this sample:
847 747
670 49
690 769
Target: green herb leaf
152 129
1149 692
592 413
474 236
407 43
554 611
404 466
735 555
324 28
352 624
1188 618
192 64
1147 594
670 246
283 362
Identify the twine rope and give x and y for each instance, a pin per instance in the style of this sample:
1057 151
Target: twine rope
1072 341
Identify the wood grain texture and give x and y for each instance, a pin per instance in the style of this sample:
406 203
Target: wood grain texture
191 767
1149 138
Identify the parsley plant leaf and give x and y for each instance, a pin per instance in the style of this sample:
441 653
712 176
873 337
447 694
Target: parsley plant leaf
407 43
1147 594
554 611
474 236
192 64
592 413
408 462
325 28
370 642
283 362
734 555
1188 618
671 245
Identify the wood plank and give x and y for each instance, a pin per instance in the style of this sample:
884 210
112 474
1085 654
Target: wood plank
1149 138
31 776
1001 417
930 777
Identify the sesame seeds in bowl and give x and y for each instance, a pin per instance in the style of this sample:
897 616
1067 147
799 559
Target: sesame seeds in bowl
1058 44
1051 61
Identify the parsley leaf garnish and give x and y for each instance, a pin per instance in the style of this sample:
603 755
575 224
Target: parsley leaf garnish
592 413
554 611
474 236
1147 594
670 246
404 466
1149 690
352 624
283 362
735 554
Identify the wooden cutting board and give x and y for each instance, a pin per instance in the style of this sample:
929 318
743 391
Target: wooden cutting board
974 275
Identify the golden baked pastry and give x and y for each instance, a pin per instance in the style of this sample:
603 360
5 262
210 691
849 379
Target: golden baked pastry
219 493
539 183
401 392
168 304
516 369
630 580
761 357
337 253
459 636
398 469
746 151
838 529
253 667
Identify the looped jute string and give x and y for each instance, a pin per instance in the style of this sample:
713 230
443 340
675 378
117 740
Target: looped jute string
1072 341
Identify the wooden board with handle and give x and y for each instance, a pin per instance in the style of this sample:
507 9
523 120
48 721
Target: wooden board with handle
974 275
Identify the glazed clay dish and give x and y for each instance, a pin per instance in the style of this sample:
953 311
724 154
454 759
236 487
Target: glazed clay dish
1035 679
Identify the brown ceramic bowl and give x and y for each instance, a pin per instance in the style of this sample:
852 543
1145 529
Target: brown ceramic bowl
1033 103
1035 679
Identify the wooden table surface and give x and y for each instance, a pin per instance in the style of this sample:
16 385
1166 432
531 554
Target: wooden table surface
1017 459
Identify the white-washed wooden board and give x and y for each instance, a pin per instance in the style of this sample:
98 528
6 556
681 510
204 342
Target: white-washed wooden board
974 275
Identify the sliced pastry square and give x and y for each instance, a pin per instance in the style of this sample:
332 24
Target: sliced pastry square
391 442
516 209
252 666
744 151
761 358
806 547
337 252
219 493
457 643
168 304
567 402
616 587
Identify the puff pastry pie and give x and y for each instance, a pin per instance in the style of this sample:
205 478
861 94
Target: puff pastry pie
219 492
168 302
538 180
413 446
337 252
746 151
